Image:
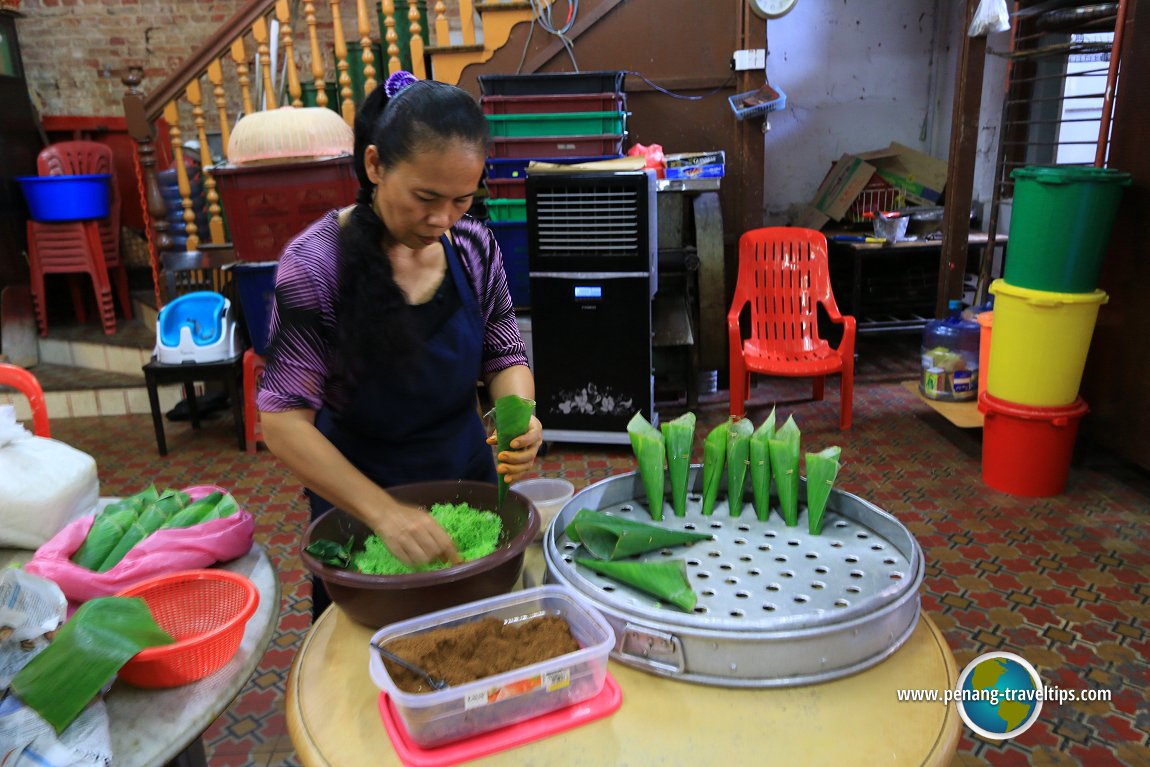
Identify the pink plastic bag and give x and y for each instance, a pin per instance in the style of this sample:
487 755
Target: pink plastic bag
164 551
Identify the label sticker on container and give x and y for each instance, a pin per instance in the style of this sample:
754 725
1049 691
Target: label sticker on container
557 680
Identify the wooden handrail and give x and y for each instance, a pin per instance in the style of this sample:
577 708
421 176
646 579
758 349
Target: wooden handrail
221 42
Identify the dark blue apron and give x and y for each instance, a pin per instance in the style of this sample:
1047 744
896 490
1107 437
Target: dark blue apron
417 422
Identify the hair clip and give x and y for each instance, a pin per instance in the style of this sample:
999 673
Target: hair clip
397 82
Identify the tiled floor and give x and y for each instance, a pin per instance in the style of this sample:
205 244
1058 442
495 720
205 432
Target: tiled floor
1061 581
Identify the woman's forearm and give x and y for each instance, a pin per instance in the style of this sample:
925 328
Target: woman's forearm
516 379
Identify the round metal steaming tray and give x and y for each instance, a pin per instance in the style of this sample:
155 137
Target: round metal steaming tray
777 606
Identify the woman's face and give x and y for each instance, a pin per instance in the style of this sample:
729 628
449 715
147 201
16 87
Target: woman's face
421 198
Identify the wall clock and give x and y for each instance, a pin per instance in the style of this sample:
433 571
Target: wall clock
771 9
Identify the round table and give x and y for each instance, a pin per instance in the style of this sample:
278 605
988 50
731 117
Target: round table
333 719
154 727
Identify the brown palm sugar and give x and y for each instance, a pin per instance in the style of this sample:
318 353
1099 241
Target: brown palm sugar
478 649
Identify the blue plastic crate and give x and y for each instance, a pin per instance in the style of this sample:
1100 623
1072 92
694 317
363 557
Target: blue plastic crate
256 284
512 239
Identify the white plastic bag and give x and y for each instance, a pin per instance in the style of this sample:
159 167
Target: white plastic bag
990 16
44 485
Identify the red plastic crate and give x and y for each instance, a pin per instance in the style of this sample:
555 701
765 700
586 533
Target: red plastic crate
570 102
556 146
507 188
268 205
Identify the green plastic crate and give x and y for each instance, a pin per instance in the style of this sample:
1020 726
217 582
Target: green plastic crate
558 124
507 210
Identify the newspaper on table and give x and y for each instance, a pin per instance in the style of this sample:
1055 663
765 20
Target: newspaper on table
31 610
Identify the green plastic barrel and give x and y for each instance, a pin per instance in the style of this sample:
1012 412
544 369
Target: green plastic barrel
1060 226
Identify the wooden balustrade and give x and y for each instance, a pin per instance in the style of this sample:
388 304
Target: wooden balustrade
241 79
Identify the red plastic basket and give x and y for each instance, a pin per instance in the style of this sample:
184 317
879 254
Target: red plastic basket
205 611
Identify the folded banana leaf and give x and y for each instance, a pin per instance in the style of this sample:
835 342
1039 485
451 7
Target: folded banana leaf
761 467
105 533
678 437
784 449
512 419
100 637
109 525
665 580
647 442
608 537
738 458
822 469
714 456
161 510
225 508
195 512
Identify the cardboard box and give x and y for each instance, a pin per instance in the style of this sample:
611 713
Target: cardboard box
696 171
687 159
921 176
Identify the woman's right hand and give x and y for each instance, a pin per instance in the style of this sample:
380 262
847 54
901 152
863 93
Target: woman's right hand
414 537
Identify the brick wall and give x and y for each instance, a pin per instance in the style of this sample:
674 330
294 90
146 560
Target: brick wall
76 51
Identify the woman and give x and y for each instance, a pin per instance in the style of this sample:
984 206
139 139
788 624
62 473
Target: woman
386 315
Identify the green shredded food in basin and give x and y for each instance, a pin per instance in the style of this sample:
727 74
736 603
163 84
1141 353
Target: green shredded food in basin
475 532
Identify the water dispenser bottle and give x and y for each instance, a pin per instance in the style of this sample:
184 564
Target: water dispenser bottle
950 357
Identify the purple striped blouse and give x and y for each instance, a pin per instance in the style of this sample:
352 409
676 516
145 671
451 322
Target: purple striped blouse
302 330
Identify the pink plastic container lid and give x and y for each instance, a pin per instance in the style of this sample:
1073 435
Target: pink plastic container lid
413 755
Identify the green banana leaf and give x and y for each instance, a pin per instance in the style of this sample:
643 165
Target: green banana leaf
131 537
331 552
608 537
679 436
761 467
95 643
195 512
161 510
105 533
225 508
784 449
647 442
714 456
822 469
666 580
738 458
512 419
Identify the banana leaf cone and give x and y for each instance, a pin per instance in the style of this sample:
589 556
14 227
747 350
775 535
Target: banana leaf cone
226 507
822 469
131 537
678 437
512 419
160 511
137 503
195 512
608 537
665 580
714 456
105 533
784 449
738 459
95 643
761 467
647 442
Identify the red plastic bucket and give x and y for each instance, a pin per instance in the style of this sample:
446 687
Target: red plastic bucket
1026 450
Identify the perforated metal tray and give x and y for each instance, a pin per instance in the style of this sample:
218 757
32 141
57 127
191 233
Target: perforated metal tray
777 606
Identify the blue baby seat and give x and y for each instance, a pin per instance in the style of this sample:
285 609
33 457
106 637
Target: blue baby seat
196 327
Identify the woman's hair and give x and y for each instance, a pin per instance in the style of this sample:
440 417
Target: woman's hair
373 318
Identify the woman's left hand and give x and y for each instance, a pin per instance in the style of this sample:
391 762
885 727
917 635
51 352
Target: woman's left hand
513 463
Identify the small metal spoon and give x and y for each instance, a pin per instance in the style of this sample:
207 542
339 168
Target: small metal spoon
437 684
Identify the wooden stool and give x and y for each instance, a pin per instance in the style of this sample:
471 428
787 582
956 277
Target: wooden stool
229 372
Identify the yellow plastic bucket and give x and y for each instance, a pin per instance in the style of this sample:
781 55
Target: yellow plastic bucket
1040 343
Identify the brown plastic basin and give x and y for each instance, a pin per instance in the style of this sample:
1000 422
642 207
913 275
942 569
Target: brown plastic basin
377 600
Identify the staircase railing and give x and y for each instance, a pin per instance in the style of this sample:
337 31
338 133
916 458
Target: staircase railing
270 53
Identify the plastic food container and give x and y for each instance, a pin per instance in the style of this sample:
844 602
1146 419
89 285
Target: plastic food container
549 496
435 718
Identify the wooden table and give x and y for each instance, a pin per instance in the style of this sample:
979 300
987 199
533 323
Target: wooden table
155 727
333 720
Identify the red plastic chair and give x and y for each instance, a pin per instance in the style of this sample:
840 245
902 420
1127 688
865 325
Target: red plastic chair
253 369
783 275
91 247
25 383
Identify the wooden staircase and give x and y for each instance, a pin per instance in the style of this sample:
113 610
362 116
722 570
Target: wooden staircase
278 53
